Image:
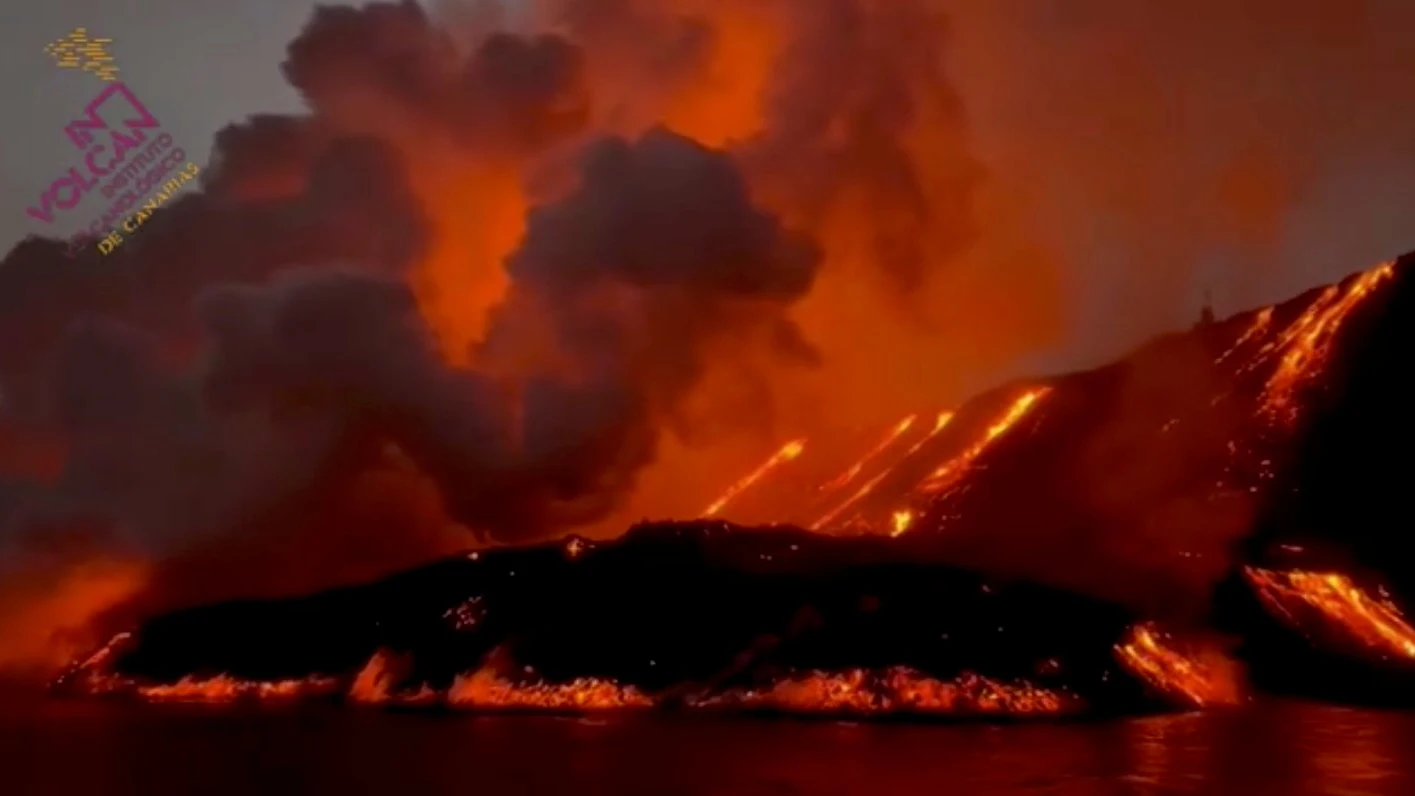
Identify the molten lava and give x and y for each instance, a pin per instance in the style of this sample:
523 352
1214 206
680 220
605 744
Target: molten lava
899 690
484 690
860 494
1307 342
788 452
940 423
1340 607
1157 659
949 474
94 677
884 445
224 689
377 682
1262 322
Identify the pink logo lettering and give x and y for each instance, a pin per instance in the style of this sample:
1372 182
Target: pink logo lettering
43 213
74 192
79 129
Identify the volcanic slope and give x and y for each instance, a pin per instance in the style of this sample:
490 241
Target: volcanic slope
997 559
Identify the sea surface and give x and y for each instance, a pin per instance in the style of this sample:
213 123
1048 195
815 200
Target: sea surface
1270 748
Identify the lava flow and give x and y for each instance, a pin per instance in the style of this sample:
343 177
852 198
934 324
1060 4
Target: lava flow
1262 323
899 690
94 676
788 452
483 690
1178 675
224 689
951 472
1339 608
1307 343
377 681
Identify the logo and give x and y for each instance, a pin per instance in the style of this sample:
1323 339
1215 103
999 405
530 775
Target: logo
124 153
78 51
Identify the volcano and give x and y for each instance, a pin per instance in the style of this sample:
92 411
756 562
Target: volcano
1129 538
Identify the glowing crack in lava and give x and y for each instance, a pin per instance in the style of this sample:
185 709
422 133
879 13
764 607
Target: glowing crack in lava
948 475
1157 660
1339 605
899 690
1307 342
483 690
901 520
789 452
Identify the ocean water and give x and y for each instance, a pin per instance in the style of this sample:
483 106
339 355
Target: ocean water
1270 748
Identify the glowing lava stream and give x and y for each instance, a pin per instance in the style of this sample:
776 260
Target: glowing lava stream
1145 654
1255 331
788 452
944 418
860 493
1307 342
850 474
949 473
1376 624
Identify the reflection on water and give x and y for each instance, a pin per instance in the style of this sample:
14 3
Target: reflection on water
1289 748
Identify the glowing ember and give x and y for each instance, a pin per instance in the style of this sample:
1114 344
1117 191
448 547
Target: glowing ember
899 690
1340 604
949 473
787 453
466 615
1196 680
483 690
884 445
1307 342
901 522
1255 331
